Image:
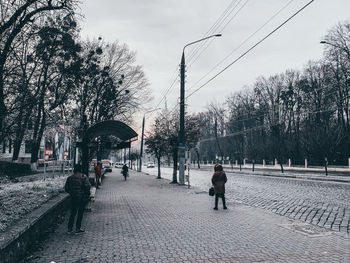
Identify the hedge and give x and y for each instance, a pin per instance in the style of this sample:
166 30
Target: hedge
14 169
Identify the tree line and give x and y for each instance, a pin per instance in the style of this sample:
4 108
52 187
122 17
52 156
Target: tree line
49 76
293 115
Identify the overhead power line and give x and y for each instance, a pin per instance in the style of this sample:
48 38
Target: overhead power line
207 44
250 49
168 89
214 27
245 41
221 19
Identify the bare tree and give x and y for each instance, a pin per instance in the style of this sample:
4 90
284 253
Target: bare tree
14 17
109 85
156 143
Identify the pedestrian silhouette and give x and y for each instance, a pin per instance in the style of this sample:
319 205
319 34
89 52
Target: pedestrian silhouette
78 187
218 180
125 170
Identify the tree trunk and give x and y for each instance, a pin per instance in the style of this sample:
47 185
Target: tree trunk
19 136
158 177
326 165
37 139
282 170
16 148
20 131
198 161
3 109
174 181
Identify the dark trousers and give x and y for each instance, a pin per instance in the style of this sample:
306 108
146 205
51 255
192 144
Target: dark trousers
77 206
217 200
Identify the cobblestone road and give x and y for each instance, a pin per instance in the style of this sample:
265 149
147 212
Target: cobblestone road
325 204
148 220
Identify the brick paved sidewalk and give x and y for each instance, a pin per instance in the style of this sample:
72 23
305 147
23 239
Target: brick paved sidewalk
148 220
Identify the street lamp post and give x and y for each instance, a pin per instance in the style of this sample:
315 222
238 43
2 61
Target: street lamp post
143 129
182 139
347 51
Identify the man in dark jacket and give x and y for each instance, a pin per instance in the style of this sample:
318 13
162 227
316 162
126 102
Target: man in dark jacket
78 187
218 180
125 170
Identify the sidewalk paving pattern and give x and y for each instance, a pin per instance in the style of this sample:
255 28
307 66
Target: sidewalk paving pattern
322 203
148 220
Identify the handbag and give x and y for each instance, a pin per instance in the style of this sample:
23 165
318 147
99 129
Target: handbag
211 191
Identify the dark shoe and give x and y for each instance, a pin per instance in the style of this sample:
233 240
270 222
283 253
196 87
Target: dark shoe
70 231
225 207
78 231
215 208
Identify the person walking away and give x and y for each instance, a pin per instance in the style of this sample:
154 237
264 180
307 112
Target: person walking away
98 175
218 180
125 170
78 187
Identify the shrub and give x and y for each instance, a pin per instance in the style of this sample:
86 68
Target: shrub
14 169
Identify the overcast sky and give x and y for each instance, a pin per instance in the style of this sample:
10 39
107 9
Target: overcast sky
158 30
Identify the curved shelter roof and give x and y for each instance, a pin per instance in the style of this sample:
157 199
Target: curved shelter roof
110 127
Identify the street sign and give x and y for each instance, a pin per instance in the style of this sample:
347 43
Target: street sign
48 152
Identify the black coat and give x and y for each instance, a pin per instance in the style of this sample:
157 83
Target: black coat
218 180
77 185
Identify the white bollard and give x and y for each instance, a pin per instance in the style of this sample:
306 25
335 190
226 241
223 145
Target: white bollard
264 162
276 162
305 162
244 162
289 162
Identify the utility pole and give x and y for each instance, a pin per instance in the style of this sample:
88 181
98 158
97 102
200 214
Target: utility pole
141 150
181 147
182 139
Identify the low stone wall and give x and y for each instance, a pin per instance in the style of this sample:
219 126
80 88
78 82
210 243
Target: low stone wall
19 238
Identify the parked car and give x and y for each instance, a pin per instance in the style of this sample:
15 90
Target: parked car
118 165
108 169
150 165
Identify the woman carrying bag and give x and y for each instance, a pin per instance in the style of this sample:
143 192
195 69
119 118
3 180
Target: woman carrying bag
218 180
